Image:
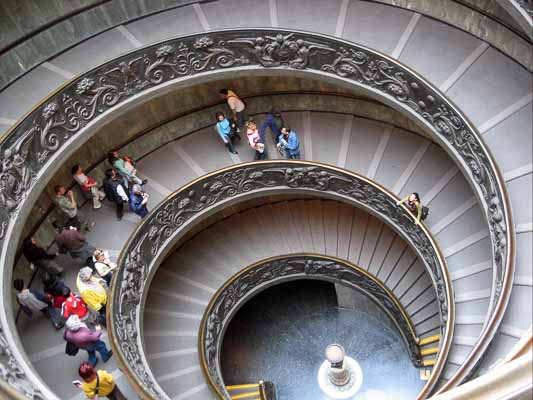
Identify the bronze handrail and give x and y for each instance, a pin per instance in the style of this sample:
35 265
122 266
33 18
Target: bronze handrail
151 240
30 147
302 266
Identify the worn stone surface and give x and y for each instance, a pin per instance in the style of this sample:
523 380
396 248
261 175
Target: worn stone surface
18 18
475 23
74 30
168 118
57 127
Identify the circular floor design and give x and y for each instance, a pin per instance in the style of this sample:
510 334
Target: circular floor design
280 335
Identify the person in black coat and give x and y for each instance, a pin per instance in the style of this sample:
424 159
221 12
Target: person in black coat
115 191
39 257
56 288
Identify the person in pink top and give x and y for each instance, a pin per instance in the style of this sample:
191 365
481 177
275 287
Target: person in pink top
252 134
82 337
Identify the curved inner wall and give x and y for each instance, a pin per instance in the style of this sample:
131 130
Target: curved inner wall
206 261
280 335
464 252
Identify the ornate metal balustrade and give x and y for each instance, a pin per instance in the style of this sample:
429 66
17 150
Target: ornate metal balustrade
255 278
177 214
31 150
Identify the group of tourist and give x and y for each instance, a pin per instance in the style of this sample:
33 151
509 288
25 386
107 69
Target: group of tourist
229 129
120 185
82 314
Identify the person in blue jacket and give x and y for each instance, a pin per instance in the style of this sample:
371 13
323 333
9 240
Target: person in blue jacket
226 131
289 142
138 200
274 121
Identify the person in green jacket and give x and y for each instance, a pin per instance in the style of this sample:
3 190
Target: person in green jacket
128 175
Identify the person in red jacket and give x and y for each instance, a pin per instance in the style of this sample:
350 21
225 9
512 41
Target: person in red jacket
82 337
74 305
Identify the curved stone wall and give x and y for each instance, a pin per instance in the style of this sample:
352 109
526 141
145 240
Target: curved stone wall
55 129
72 24
152 241
140 132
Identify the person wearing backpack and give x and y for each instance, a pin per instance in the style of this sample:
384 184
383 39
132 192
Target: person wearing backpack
414 204
55 287
93 291
98 384
115 191
226 130
81 337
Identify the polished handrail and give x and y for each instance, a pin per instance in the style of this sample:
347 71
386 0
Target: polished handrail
278 269
31 147
170 219
7 392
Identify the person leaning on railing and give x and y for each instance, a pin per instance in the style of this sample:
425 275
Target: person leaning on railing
67 205
236 105
414 204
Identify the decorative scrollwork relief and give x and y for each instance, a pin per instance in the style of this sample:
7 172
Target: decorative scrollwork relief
238 183
247 283
28 149
12 372
527 6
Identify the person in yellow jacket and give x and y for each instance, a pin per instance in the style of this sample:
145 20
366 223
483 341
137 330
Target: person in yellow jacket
98 384
93 291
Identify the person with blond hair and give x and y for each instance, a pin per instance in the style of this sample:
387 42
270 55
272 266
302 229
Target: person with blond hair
254 139
103 265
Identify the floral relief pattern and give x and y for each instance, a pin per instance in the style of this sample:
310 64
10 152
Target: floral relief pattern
170 217
28 149
244 286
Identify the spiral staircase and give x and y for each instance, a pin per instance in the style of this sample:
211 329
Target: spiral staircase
478 58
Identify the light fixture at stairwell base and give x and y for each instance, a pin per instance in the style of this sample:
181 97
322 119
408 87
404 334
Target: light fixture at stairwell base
339 377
